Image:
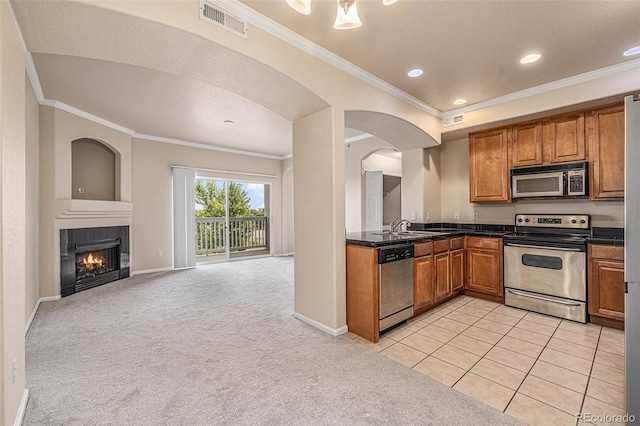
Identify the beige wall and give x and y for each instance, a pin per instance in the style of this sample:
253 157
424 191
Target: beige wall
421 184
319 199
13 213
58 129
152 228
94 170
455 196
32 291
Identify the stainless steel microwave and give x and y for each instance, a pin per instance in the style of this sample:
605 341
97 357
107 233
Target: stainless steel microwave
552 181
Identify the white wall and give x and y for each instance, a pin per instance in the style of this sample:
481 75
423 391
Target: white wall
32 274
455 196
151 183
385 164
12 214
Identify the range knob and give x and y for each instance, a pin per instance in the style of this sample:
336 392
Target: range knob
520 219
526 220
573 221
582 221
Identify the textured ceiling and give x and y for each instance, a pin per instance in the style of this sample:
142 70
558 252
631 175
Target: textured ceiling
165 82
470 49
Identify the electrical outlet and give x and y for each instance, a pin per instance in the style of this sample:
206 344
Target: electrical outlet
413 215
159 253
81 190
456 216
15 369
475 216
428 216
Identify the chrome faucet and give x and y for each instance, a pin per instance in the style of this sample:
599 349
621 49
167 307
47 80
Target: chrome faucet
395 227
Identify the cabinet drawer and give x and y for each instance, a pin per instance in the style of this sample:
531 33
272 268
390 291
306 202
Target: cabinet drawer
456 243
486 243
440 246
423 249
607 252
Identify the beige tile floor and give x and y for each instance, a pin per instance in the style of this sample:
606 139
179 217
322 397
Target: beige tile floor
539 369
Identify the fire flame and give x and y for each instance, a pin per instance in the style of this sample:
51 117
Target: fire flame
92 262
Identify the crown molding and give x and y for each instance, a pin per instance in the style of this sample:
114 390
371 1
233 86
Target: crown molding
548 87
206 146
275 29
30 66
358 138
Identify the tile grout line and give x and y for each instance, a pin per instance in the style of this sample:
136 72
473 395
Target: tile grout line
586 388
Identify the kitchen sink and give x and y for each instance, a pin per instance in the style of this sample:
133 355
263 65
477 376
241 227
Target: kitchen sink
409 234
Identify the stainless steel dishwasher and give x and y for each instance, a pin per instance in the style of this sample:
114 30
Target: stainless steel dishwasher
395 284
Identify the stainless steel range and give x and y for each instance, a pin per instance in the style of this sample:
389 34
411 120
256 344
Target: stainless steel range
545 265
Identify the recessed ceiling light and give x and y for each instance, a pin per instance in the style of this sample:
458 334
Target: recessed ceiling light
228 122
530 58
632 51
460 102
415 73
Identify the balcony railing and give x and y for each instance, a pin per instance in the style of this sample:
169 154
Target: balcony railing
245 233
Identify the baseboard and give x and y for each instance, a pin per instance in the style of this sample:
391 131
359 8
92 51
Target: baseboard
23 408
283 255
150 271
35 310
332 331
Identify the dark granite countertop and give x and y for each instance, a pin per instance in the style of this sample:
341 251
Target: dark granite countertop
426 233
610 236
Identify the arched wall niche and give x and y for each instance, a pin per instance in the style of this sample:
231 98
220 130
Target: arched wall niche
95 170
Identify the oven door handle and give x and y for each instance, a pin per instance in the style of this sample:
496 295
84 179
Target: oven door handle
542 247
546 299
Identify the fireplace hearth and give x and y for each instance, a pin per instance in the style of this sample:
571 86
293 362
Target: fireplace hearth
90 257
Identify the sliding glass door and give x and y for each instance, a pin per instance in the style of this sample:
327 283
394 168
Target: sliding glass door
232 219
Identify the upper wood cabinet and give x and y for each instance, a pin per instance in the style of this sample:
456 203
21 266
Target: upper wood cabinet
605 139
566 138
488 166
526 144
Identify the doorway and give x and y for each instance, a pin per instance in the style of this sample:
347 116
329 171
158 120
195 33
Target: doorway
232 219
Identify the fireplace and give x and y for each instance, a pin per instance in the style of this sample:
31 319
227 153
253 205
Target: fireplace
90 257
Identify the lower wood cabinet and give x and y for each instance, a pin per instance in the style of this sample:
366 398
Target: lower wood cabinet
424 293
605 284
484 267
438 271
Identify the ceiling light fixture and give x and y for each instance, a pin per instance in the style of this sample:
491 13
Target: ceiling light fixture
346 17
302 6
530 58
632 51
415 73
460 102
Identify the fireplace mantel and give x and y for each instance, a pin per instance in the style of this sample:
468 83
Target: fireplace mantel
77 209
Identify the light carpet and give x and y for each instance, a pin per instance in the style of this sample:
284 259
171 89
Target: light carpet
218 345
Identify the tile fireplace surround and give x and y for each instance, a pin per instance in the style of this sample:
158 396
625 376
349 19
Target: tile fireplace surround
113 241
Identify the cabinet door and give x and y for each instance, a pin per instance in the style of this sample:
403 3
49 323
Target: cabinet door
488 166
484 271
606 281
566 138
457 269
605 136
526 144
442 275
423 283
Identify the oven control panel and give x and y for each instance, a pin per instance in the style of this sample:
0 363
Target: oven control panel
575 221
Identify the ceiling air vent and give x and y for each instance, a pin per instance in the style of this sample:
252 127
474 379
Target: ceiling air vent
452 121
212 12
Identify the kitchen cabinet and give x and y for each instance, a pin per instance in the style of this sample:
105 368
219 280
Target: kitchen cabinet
362 292
423 276
456 256
605 284
526 144
488 166
438 271
484 268
605 139
566 138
